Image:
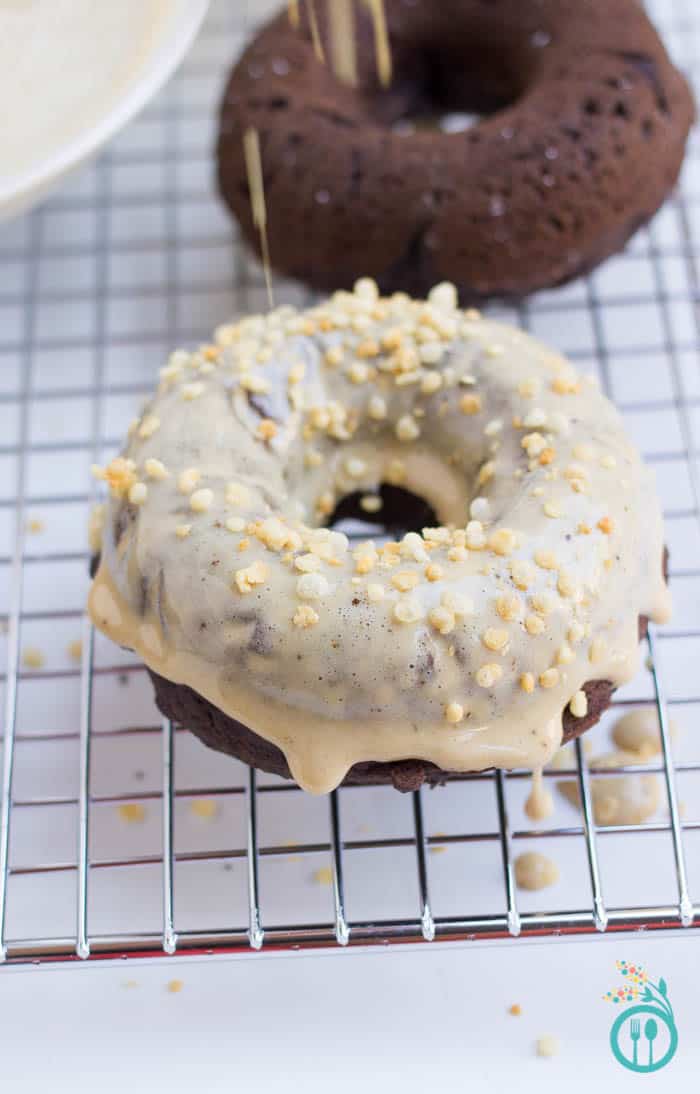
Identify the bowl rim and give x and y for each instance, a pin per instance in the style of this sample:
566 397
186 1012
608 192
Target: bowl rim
182 23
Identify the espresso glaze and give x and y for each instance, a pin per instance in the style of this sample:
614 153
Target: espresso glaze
462 646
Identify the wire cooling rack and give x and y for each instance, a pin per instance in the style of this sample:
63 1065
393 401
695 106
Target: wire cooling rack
120 834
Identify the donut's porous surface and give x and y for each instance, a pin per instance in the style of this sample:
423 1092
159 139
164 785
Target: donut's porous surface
496 626
582 132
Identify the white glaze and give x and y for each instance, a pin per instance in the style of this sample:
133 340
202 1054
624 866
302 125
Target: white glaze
356 684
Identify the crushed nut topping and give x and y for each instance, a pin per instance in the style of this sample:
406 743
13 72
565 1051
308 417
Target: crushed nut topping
495 639
201 500
375 592
488 675
267 429
192 391
407 611
120 476
407 429
549 678
534 624
247 578
442 619
313 586
305 616
188 479
405 580
150 424
454 712
470 404
509 607
155 469
138 493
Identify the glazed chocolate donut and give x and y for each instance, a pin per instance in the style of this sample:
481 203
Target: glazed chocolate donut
582 136
475 642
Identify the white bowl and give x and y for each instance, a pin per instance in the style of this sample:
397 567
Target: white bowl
72 73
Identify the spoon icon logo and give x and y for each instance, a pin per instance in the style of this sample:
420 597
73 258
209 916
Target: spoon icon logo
651 1032
643 1037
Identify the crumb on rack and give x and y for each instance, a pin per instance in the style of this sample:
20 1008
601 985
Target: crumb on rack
437 848
204 808
323 876
75 649
547 1046
515 1009
132 812
35 526
32 657
175 986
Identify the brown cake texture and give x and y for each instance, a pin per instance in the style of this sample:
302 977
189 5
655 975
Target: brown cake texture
582 132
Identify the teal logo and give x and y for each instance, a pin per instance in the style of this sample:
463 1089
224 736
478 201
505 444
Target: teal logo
643 1036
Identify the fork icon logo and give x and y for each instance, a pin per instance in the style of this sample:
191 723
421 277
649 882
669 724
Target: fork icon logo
643 1037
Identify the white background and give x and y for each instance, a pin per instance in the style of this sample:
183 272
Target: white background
432 1018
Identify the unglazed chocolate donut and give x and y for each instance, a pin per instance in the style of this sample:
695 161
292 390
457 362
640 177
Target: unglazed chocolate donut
466 646
583 136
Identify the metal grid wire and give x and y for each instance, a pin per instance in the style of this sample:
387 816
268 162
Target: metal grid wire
131 258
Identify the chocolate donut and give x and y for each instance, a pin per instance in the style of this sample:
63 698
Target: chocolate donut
583 129
478 641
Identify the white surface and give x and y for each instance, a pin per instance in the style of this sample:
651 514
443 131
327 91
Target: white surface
131 257
72 73
432 1018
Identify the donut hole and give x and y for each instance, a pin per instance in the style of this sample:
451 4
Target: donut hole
401 511
452 88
